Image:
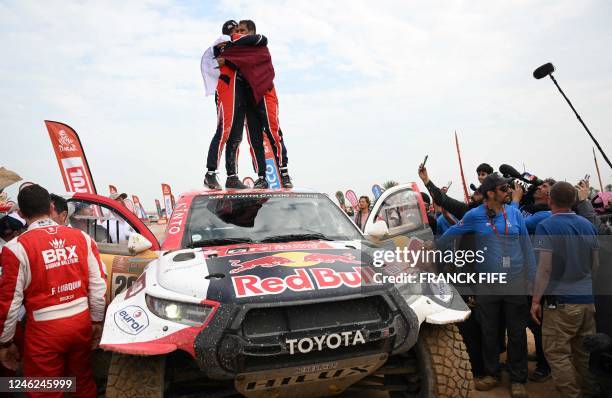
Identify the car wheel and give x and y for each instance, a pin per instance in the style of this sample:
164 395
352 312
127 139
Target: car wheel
136 376
437 367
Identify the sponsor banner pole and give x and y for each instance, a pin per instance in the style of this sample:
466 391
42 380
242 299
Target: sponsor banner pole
167 198
71 158
352 198
465 190
112 189
598 173
158 208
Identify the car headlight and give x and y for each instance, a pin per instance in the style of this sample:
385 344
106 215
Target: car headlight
442 291
175 311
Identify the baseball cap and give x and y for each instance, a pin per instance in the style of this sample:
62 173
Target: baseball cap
116 195
228 26
493 181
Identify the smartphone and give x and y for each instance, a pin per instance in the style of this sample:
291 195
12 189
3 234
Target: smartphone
449 184
586 177
425 160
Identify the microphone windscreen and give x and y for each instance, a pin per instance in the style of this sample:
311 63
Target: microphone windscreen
543 71
508 170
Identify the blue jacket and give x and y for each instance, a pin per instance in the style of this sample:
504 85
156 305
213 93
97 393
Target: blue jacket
516 244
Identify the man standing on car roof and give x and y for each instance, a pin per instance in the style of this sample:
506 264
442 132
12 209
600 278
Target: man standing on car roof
56 273
220 79
260 93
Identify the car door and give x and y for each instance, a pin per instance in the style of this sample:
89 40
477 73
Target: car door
110 224
402 210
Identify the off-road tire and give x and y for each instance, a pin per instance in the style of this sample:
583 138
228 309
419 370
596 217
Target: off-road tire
443 362
131 376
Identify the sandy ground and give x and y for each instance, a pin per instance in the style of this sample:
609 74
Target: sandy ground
536 390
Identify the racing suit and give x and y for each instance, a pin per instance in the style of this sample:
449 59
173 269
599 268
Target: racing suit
56 273
258 93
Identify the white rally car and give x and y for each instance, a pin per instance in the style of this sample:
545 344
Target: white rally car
273 293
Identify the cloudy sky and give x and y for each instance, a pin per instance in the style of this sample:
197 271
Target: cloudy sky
366 89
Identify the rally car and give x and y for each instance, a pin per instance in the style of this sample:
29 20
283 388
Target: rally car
274 293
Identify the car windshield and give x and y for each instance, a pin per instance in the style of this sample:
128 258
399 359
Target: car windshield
236 218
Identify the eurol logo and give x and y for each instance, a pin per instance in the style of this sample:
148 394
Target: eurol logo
301 280
291 259
131 319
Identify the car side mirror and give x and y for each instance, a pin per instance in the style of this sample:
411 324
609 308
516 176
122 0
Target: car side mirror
138 243
377 229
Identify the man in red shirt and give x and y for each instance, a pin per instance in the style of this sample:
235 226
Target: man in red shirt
56 273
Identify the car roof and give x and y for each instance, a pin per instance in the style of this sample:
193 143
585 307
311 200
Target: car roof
282 191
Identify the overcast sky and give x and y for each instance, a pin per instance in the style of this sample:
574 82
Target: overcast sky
366 89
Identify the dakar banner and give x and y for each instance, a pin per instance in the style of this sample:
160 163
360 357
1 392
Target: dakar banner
167 198
158 208
112 189
70 158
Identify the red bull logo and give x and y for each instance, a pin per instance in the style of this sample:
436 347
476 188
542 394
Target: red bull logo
301 280
292 259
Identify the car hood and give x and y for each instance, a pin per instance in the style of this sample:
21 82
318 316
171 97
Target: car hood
268 272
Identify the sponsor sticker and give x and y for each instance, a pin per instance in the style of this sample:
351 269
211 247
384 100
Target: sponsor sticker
330 341
301 280
131 319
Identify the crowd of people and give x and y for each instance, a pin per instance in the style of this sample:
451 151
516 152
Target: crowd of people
545 236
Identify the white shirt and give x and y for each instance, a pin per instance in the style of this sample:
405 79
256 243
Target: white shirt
210 67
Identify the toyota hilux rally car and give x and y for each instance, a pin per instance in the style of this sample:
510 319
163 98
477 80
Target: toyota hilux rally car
274 294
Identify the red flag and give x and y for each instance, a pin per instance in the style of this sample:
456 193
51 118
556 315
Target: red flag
465 190
70 158
167 198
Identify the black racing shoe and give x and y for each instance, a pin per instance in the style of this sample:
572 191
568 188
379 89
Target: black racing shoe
233 182
261 183
210 180
286 180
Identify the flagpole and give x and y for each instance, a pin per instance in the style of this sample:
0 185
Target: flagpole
465 190
598 173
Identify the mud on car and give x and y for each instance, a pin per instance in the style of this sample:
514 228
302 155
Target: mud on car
273 293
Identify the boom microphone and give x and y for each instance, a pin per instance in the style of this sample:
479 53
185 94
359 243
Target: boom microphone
543 71
510 171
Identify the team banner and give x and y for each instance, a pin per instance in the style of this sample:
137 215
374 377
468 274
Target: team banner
167 198
377 191
112 189
158 208
130 205
70 158
352 198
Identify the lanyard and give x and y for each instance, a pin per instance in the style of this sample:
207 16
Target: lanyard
506 231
